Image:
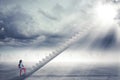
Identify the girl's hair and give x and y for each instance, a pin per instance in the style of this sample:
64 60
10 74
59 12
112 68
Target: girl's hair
20 61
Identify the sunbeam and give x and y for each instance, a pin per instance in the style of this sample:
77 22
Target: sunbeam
105 14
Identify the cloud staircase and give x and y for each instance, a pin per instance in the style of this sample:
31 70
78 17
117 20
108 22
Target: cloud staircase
54 54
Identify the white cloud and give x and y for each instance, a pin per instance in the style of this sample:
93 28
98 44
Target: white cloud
69 16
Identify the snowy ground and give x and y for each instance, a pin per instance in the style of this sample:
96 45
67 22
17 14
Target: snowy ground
64 71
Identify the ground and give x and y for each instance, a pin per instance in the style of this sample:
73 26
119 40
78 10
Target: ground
64 71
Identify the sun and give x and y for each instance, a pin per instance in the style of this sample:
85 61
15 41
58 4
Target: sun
105 13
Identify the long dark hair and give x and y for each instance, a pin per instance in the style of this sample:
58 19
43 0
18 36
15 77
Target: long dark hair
20 61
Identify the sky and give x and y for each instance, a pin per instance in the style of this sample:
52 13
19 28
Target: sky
34 28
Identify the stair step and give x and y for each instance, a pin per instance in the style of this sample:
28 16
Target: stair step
58 51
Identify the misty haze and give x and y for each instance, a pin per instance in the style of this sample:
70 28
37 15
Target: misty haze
60 39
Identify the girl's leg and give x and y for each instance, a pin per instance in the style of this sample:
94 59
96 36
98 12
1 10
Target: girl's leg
24 70
20 72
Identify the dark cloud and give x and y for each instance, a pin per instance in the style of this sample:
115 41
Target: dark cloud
2 32
116 1
19 28
16 24
47 15
44 40
102 42
13 42
105 42
53 40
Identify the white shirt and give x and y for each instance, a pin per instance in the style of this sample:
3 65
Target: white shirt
21 65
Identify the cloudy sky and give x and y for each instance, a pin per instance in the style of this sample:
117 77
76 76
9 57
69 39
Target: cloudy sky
27 26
